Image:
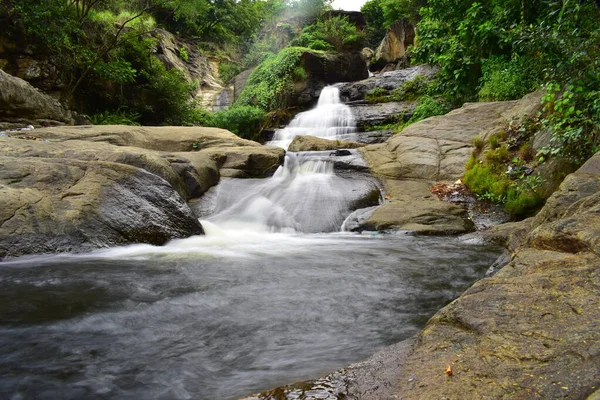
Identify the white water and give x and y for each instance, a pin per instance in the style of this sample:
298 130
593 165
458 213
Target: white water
330 119
304 195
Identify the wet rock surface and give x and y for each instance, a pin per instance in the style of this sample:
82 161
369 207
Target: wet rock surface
312 143
78 188
381 113
54 205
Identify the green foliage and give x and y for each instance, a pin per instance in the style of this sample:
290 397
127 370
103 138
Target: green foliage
544 41
166 96
272 81
228 70
376 26
376 95
244 121
183 54
503 176
409 90
572 115
505 79
332 33
120 117
394 10
412 89
428 107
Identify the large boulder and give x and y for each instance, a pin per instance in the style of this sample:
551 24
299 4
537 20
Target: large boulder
56 205
532 331
105 185
399 36
388 81
21 104
430 151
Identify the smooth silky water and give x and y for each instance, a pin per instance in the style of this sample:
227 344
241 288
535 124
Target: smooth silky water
272 294
330 119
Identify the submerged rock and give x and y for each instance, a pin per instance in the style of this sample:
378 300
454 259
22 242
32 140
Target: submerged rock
312 143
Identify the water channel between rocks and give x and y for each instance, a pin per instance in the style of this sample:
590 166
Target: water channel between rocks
273 294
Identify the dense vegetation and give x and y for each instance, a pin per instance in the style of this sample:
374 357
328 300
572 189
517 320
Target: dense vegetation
500 50
104 49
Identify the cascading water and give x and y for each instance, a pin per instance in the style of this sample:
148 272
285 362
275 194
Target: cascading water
330 119
304 195
256 303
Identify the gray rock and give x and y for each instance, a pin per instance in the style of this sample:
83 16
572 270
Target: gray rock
381 113
352 91
56 205
79 188
21 104
374 137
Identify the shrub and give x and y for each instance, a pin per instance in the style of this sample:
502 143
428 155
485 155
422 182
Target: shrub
428 107
572 115
333 33
376 95
505 79
412 89
228 70
119 117
272 81
244 121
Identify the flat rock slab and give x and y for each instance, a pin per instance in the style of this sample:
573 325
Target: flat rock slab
312 143
412 207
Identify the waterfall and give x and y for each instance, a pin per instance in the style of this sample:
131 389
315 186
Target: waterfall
304 195
330 119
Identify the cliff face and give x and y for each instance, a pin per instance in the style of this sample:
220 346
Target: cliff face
197 67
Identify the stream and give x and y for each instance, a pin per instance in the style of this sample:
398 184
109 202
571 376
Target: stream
273 293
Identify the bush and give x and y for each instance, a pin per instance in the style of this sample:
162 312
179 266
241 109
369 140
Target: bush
228 70
165 98
334 33
572 115
428 107
119 117
244 121
377 95
272 81
505 79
